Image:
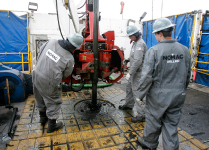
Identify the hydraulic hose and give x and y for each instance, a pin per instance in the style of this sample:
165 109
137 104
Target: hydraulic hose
98 85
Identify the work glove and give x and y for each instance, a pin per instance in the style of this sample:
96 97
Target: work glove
140 101
66 87
128 76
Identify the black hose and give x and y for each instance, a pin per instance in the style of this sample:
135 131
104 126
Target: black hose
58 21
82 5
81 16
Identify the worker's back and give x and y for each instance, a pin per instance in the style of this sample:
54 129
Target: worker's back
171 66
52 62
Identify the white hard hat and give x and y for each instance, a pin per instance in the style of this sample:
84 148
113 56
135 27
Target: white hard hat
162 24
75 39
131 30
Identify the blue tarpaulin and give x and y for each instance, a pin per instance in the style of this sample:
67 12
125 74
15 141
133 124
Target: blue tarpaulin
13 39
182 32
204 48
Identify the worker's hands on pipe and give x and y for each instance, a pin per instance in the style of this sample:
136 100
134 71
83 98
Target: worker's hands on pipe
139 101
128 76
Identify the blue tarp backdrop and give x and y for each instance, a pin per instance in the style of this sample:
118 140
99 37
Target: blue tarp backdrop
182 32
204 48
13 39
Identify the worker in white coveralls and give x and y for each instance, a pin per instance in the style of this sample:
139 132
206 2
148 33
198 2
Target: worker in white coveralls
165 77
55 61
137 54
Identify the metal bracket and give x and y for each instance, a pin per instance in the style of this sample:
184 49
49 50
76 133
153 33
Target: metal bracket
8 14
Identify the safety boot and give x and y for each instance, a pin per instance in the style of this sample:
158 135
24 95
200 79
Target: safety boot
53 125
140 140
43 117
137 119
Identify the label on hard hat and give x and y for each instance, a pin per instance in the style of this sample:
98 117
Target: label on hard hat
53 56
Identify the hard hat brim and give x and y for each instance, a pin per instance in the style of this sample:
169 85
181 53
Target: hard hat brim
73 43
172 25
132 32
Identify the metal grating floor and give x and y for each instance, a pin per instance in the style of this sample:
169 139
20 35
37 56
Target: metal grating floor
110 132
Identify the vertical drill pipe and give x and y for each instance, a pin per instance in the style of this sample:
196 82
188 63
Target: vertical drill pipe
95 50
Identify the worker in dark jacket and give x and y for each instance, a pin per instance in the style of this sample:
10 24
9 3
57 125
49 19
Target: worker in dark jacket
137 54
55 61
165 77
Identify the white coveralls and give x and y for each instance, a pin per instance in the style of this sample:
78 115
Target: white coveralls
165 77
54 63
137 54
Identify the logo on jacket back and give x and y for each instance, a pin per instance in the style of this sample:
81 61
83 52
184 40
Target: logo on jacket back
173 58
53 56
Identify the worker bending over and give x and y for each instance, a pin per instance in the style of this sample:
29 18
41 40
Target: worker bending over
55 61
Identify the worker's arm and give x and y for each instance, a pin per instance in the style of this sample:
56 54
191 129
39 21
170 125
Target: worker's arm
188 64
41 50
147 71
138 58
69 69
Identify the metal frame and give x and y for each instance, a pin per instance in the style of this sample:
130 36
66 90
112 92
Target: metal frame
28 53
198 52
170 16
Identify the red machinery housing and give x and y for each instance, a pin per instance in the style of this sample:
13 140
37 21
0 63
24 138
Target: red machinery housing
110 56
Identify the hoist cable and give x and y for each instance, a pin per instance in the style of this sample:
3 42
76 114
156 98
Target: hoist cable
58 21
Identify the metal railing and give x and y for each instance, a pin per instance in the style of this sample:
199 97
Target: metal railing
29 70
203 71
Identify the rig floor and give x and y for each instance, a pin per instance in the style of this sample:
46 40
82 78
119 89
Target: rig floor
106 129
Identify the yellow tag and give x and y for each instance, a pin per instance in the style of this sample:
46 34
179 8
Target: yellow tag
84 57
